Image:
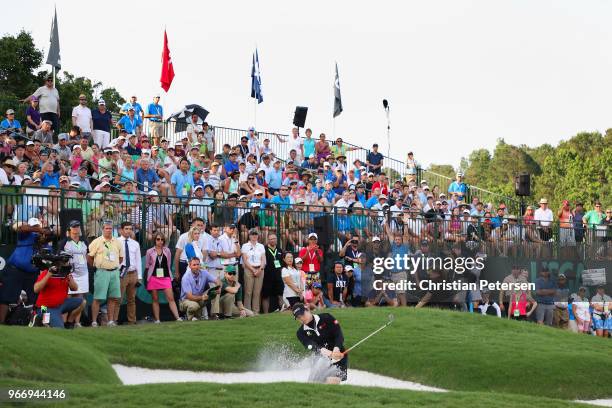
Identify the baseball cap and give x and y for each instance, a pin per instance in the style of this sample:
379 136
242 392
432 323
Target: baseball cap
313 235
317 285
10 112
32 222
30 143
375 239
101 102
153 193
198 187
231 269
74 224
298 260
348 268
298 310
382 196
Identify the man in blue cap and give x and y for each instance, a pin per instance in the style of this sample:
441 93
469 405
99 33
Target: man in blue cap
322 335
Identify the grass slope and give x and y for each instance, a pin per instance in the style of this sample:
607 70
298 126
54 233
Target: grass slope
456 351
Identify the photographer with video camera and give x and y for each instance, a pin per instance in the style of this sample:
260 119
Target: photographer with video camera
52 288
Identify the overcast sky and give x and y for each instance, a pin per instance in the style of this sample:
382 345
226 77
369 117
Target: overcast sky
458 74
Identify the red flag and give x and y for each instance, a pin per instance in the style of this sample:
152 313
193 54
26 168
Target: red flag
167 73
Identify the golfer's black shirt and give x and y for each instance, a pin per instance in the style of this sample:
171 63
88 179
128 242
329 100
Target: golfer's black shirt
324 333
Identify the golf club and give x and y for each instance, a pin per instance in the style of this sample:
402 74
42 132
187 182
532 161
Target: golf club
391 318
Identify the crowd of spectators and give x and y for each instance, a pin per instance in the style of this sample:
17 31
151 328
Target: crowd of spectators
234 230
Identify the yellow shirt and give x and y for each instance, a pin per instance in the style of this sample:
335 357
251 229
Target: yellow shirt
106 254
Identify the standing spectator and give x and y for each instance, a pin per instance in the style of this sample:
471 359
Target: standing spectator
194 247
231 296
566 227
374 160
19 273
106 254
294 142
155 114
102 122
194 294
292 277
322 148
340 149
543 216
254 262
577 217
592 219
561 314
132 104
458 186
312 256
48 103
517 276
411 168
582 314
32 116
209 140
10 123
272 286
309 145
546 290
76 247
157 264
131 272
82 117
602 305
131 123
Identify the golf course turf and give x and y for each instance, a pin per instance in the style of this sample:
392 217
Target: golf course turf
483 360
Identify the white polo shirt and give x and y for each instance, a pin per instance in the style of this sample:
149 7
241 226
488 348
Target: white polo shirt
83 117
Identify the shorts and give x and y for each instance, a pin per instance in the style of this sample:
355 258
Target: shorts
107 284
68 306
156 129
14 280
397 278
602 324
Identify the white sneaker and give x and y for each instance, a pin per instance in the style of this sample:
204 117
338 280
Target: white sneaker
180 319
77 325
157 322
112 323
94 324
194 319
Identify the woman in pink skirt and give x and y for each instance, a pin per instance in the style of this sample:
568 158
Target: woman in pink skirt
157 264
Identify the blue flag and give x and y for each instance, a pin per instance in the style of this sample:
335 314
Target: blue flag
256 79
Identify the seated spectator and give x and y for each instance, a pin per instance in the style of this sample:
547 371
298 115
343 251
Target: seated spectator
337 286
313 297
230 304
194 290
10 123
580 309
602 305
488 306
52 289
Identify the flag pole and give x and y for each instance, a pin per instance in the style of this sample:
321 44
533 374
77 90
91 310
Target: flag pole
255 113
54 76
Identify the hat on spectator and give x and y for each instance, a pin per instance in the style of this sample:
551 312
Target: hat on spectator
73 147
128 181
214 164
32 222
425 187
340 155
328 182
146 151
313 235
130 108
104 184
505 221
423 181
198 187
62 136
10 112
205 170
438 202
442 195
459 174
543 201
298 260
511 217
326 164
317 285
34 98
258 192
75 184
233 195
375 239
9 162
101 102
382 197
62 178
30 143
466 211
357 205
348 268
153 193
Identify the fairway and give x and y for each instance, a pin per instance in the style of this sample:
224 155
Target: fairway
473 356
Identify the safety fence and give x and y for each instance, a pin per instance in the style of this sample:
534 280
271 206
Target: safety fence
292 223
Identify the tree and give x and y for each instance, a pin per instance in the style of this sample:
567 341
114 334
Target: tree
114 101
443 169
19 58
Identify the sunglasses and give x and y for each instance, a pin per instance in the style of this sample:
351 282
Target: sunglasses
160 239
231 273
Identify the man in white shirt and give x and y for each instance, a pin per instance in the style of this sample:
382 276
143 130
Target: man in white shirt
180 257
193 128
266 164
130 272
225 251
199 206
544 218
345 201
81 117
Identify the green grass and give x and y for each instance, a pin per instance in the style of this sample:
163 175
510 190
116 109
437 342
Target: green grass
477 355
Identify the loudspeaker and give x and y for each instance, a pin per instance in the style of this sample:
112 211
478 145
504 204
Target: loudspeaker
323 228
299 118
522 185
71 214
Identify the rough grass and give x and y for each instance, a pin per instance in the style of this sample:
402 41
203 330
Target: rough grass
455 351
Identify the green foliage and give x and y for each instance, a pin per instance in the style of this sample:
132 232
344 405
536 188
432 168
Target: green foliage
443 169
392 174
114 101
19 58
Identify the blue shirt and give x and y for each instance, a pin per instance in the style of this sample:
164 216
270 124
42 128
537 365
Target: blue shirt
400 250
375 158
5 124
137 109
274 178
21 258
195 285
329 195
343 223
318 191
231 166
340 189
542 283
496 222
154 109
282 203
361 198
180 180
149 176
101 121
357 277
372 201
130 125
309 147
460 188
49 180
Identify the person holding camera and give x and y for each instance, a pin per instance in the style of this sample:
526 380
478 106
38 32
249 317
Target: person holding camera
52 288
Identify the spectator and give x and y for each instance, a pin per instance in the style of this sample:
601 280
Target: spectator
322 148
82 117
561 314
159 278
182 181
309 145
546 290
106 254
566 230
294 289
458 186
313 297
209 140
488 306
337 286
132 104
102 121
272 285
62 148
374 160
10 123
592 219
577 218
20 274
131 123
411 168
231 296
516 276
580 309
312 256
32 116
602 305
543 216
48 103
353 274
146 177
194 248
254 262
155 114
45 134
77 248
194 292
131 272
52 290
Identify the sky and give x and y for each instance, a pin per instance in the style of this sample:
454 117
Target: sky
458 74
